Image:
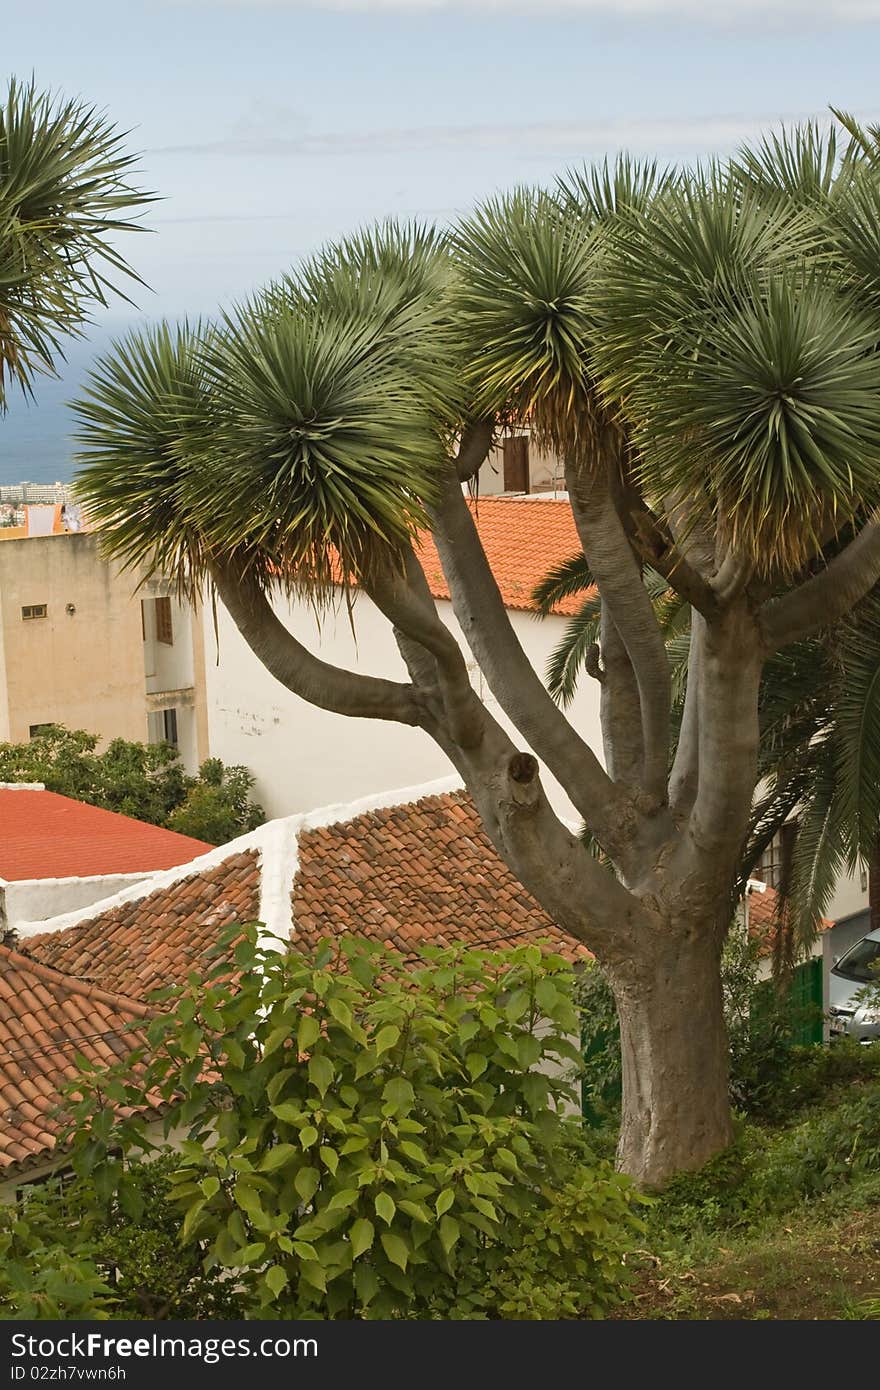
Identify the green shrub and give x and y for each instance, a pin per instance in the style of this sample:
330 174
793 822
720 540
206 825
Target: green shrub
43 1276
67 1253
373 1139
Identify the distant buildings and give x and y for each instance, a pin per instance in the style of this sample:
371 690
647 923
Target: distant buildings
79 646
36 492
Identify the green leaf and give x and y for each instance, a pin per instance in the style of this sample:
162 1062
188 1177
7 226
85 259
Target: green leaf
329 1157
276 1039
387 1038
308 1032
307 1136
277 1157
306 1183
476 1064
321 1073
288 1112
251 1254
361 1235
385 1207
398 1096
444 1201
275 1279
395 1249
313 1273
449 1231
346 1197
341 1012
210 1186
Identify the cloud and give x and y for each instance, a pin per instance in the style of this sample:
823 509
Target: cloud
569 139
704 12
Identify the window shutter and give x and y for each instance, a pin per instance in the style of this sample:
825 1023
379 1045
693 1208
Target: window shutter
164 629
516 464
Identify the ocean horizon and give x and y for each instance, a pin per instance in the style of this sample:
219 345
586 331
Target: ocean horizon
36 443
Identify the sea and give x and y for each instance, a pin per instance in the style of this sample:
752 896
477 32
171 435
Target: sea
35 435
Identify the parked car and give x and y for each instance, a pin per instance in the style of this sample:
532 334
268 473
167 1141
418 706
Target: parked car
857 968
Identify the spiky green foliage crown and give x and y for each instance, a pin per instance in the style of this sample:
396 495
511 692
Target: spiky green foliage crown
711 335
301 438
65 190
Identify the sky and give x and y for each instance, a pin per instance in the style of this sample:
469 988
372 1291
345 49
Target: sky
268 127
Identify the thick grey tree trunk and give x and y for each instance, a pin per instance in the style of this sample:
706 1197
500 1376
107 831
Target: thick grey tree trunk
676 1112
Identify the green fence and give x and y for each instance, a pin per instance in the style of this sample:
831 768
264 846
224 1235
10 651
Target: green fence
802 1004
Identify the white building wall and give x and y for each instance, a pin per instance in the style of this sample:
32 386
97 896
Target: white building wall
34 900
304 757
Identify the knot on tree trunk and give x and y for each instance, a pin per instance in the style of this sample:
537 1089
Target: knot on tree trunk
523 768
522 779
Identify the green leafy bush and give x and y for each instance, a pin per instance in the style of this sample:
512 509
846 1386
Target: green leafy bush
42 1276
68 1251
217 806
369 1138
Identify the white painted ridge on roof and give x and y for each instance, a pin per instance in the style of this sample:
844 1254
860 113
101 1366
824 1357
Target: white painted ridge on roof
22 786
277 845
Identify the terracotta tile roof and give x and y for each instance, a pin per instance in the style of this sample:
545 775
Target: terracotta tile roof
46 1019
422 873
425 872
523 538
408 874
157 939
44 835
763 908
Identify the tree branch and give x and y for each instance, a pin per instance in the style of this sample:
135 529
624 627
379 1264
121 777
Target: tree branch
684 777
473 450
619 580
829 595
619 709
728 734
658 549
329 687
485 623
581 895
402 599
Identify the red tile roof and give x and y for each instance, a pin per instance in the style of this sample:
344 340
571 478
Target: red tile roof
523 538
44 835
46 1019
413 874
158 939
422 873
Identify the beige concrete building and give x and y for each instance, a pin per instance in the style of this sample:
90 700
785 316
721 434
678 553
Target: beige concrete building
81 646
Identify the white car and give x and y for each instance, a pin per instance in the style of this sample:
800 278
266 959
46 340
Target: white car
859 967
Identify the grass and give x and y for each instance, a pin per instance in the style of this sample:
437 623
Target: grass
815 1264
785 1225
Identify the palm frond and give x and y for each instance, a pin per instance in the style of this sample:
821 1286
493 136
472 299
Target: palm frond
566 580
569 658
140 411
521 302
597 193
65 195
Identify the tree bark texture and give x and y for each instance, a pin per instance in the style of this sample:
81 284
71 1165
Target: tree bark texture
676 1113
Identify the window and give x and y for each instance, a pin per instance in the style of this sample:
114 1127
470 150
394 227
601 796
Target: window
860 963
164 629
33 610
169 726
35 730
770 866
